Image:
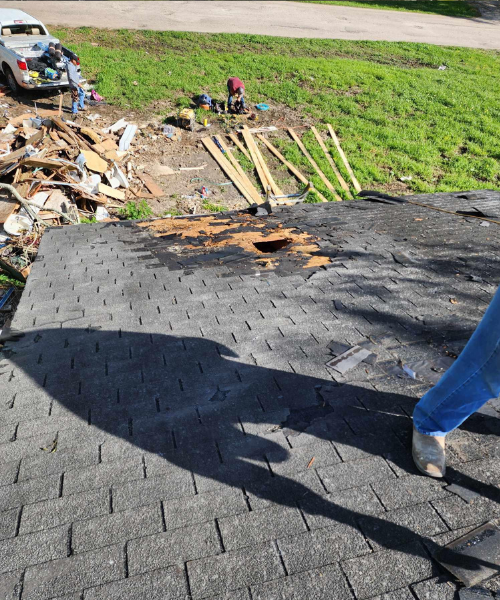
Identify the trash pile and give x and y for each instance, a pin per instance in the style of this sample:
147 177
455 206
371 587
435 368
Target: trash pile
55 172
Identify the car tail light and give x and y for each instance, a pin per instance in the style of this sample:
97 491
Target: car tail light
22 65
77 62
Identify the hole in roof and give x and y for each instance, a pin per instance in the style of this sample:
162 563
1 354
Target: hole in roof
270 246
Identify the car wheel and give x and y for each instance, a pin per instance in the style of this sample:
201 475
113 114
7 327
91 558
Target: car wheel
11 80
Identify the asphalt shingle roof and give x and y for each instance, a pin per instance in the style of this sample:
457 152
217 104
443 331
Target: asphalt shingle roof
169 429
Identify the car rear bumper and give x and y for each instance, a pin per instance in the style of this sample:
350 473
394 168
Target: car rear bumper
43 86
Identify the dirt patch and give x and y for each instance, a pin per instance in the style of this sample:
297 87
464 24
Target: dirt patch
153 154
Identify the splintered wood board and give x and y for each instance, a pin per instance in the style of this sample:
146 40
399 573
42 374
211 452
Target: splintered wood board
243 176
313 163
289 165
228 169
331 162
355 182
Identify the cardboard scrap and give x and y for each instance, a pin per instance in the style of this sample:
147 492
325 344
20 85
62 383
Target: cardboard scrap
94 162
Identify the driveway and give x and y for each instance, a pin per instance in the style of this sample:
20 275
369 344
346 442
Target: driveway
287 19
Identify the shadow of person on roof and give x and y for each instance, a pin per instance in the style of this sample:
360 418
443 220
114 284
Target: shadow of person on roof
192 405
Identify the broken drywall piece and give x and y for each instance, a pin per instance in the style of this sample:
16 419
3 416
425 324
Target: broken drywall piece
121 124
127 137
348 360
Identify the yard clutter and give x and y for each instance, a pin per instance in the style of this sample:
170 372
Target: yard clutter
55 172
272 192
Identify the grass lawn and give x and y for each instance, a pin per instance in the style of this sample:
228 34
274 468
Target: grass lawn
453 8
394 111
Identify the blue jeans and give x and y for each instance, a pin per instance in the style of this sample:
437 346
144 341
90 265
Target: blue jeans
471 381
80 94
230 101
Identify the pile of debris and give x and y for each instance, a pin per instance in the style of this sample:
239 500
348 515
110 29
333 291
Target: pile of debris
54 172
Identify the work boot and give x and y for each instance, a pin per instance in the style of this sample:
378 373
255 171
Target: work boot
429 454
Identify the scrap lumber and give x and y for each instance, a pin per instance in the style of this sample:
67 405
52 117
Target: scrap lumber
355 182
90 133
41 163
244 177
260 164
314 164
289 165
73 138
13 156
331 162
228 169
151 185
275 189
110 192
239 145
260 172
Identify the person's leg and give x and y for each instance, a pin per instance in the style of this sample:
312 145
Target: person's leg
242 100
471 381
74 101
81 98
229 101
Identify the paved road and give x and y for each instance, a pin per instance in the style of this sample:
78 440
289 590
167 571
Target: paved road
291 19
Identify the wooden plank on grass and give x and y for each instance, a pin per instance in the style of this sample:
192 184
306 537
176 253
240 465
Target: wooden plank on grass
239 145
260 172
254 151
243 176
331 162
355 182
289 165
313 164
228 168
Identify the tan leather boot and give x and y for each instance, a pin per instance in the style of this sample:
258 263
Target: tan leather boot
429 454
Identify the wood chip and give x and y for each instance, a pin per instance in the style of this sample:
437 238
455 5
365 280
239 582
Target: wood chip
309 465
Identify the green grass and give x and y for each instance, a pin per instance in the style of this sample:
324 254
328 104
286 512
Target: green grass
213 208
452 8
7 282
136 210
394 111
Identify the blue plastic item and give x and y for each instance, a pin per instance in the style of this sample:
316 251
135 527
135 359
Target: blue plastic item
50 73
205 99
6 296
262 106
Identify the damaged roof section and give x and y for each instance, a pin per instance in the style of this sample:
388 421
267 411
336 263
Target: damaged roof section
239 241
